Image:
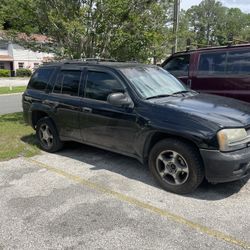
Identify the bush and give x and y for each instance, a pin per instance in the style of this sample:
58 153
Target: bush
4 73
23 72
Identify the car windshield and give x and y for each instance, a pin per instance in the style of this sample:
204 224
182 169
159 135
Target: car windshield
152 82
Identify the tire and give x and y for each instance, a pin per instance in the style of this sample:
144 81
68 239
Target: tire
176 165
47 135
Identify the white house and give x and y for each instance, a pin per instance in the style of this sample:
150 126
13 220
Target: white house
14 56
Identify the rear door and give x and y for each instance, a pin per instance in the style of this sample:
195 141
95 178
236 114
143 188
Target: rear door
65 102
224 73
37 88
210 73
103 124
179 67
238 74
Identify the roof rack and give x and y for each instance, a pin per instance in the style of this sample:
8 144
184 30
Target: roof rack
98 59
86 60
231 41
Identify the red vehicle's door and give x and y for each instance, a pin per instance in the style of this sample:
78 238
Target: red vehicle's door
224 73
210 73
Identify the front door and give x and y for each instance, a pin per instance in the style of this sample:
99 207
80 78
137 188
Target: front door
179 67
101 123
224 73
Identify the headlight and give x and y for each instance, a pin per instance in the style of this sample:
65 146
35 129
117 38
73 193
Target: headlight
232 139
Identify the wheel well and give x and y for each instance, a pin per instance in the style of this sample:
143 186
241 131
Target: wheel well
158 136
36 116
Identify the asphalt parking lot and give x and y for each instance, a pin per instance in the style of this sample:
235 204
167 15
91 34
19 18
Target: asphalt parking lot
86 198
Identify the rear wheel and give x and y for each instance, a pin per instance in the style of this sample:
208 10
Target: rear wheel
176 165
48 136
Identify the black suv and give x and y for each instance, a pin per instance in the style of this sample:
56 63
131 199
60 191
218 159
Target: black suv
144 112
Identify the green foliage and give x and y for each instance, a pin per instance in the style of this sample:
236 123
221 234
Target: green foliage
4 73
120 29
23 72
211 23
19 15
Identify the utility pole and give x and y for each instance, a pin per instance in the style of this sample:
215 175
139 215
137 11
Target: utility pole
176 24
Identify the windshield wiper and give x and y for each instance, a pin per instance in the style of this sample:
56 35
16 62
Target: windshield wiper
157 96
167 95
181 92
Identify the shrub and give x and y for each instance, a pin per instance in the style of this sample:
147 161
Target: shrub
23 72
4 73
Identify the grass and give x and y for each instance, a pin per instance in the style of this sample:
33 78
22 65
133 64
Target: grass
16 138
6 90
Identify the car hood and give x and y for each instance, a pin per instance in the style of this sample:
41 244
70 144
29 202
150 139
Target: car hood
225 112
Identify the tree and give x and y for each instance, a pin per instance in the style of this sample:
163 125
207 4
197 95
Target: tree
123 29
120 29
205 19
212 23
19 15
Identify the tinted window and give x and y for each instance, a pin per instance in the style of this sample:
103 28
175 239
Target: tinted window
100 85
40 78
58 83
178 66
67 82
212 64
238 62
71 81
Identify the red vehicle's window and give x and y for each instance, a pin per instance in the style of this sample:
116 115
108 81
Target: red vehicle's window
238 62
212 64
178 66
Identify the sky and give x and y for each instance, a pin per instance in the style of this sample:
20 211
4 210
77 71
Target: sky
244 5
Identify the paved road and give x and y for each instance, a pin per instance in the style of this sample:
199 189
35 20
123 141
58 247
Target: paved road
86 198
13 81
10 104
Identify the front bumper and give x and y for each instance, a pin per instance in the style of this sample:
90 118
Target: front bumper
225 167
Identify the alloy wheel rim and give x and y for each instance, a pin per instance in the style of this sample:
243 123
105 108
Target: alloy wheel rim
172 167
46 136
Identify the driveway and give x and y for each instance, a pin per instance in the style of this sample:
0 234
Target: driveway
10 103
86 198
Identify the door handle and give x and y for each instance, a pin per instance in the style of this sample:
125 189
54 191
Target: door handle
52 103
189 83
87 110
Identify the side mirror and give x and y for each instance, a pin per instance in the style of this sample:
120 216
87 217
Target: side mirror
120 100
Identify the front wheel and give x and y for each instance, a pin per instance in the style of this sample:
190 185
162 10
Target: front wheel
176 165
47 135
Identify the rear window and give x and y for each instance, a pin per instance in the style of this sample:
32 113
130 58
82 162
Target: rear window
238 62
40 78
178 66
212 64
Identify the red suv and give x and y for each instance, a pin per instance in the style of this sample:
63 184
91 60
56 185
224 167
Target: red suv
222 71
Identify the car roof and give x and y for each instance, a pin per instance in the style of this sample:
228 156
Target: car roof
213 48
